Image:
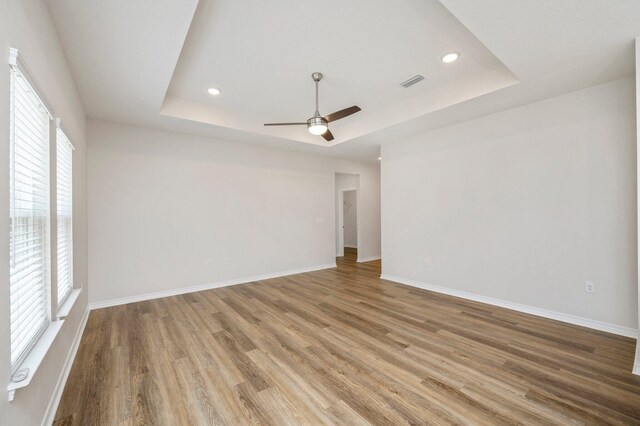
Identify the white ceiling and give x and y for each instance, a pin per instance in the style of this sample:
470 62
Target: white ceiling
149 62
261 54
122 52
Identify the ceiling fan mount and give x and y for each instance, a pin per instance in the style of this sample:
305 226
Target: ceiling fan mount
318 124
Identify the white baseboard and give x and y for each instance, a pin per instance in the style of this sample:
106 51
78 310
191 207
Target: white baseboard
350 246
636 364
559 316
368 259
50 414
201 287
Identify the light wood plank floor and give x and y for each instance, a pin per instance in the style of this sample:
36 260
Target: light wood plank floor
341 346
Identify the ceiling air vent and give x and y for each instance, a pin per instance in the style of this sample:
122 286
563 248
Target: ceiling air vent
413 80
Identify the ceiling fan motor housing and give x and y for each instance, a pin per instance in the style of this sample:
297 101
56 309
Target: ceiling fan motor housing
316 121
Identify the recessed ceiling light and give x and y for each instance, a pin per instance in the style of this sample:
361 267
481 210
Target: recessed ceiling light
379 158
450 57
214 91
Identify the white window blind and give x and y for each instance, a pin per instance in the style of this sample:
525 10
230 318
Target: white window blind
29 217
64 197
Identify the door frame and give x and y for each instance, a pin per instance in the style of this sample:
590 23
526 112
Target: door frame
340 248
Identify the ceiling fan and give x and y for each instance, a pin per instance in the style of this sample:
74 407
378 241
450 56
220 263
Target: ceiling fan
319 125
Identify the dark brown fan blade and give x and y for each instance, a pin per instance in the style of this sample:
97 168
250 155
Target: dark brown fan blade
285 124
328 136
342 113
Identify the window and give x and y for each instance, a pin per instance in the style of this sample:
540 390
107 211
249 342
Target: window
39 300
29 217
64 193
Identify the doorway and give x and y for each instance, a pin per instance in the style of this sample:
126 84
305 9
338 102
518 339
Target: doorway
347 221
347 232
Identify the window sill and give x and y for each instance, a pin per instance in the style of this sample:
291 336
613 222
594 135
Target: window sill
36 355
66 307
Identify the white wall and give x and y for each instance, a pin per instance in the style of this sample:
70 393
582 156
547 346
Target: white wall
163 204
523 206
346 181
350 219
27 26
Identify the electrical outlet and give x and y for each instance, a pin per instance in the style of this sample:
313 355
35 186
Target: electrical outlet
209 264
589 287
226 261
425 262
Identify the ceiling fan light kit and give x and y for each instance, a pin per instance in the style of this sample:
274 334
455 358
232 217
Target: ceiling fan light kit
319 125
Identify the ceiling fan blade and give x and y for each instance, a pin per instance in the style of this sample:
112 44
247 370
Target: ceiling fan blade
285 124
328 136
342 113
